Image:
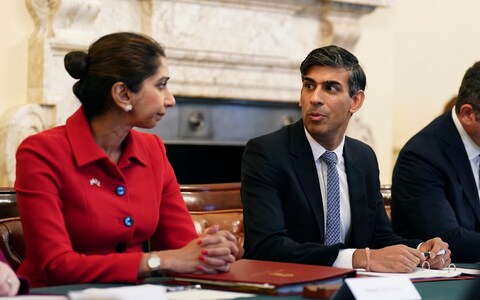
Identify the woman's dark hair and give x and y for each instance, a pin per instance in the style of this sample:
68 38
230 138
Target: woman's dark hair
119 57
337 57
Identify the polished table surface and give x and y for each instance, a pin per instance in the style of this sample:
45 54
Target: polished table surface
445 289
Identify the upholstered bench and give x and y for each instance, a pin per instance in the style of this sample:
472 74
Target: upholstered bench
209 204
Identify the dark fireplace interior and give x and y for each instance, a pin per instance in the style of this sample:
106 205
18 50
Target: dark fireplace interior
206 163
205 137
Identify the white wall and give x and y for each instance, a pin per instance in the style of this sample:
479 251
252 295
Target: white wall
435 43
16 25
415 54
374 51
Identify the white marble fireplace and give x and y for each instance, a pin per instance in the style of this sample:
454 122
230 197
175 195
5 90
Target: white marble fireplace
216 49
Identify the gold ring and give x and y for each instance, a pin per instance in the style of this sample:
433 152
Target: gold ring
443 261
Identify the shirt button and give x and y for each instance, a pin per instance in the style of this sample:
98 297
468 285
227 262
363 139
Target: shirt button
128 221
120 190
121 247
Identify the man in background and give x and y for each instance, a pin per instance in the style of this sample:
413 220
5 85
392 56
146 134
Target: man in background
435 182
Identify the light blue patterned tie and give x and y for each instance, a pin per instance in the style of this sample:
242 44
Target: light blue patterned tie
333 199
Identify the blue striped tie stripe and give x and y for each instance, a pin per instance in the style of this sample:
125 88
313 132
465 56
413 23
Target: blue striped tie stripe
333 199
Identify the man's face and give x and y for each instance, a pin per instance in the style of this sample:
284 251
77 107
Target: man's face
326 104
470 120
475 134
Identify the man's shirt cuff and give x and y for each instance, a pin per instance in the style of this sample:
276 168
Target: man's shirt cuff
344 259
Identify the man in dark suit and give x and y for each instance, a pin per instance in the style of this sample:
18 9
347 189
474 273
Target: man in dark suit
284 186
435 180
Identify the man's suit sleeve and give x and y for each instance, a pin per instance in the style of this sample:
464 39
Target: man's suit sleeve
265 185
423 192
370 226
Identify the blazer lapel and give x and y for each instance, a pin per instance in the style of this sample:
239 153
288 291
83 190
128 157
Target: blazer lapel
358 196
455 152
306 172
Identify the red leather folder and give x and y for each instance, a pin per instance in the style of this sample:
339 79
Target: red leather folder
268 277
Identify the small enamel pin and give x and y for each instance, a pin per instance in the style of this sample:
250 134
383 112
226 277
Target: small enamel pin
95 181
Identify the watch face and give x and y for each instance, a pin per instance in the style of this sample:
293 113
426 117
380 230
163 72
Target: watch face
153 262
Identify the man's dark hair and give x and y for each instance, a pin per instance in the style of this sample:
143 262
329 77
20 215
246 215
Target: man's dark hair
469 92
337 57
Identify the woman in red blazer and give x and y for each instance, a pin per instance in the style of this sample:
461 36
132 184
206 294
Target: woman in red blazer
90 192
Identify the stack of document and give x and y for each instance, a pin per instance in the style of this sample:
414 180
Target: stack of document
268 277
419 273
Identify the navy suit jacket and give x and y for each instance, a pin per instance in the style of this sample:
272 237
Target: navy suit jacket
434 192
282 205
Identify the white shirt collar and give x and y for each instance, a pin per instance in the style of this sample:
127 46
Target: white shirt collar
318 149
473 150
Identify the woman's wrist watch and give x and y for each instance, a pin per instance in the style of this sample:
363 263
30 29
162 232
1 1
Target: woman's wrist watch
154 263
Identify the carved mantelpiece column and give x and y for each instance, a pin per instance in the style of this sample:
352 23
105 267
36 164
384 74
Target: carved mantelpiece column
57 23
60 26
17 124
340 21
247 49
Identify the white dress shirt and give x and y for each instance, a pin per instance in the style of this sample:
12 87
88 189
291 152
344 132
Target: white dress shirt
344 258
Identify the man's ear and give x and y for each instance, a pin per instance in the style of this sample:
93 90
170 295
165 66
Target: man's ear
468 119
121 94
467 115
357 101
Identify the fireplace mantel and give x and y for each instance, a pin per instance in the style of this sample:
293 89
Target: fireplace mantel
248 49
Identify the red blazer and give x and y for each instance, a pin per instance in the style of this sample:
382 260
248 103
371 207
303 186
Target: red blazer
85 217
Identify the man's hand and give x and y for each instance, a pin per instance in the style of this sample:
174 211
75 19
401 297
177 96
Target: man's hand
437 253
392 259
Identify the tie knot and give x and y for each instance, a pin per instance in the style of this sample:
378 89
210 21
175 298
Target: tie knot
329 157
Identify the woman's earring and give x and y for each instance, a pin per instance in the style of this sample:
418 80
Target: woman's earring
128 108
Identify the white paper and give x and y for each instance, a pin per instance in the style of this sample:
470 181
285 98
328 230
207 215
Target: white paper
417 274
143 292
206 295
381 288
468 271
